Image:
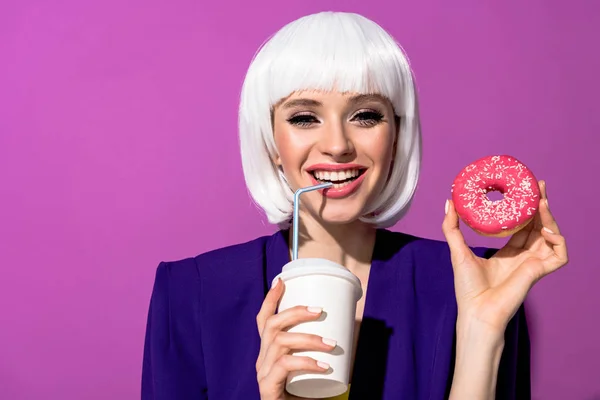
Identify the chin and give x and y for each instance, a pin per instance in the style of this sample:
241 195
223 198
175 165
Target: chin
338 221
336 211
341 217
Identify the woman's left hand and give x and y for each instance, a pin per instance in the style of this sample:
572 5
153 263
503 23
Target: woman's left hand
490 291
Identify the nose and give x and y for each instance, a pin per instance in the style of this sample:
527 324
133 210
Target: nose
335 141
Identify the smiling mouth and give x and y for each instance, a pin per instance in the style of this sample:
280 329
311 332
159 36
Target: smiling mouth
338 178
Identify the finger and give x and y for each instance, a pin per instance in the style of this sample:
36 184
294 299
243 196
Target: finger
285 342
559 256
529 272
288 318
545 206
286 364
456 241
278 322
546 218
269 305
543 193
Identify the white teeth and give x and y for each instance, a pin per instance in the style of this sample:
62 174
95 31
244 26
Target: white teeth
335 176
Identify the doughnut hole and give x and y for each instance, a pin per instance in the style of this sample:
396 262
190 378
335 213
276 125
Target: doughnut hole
494 195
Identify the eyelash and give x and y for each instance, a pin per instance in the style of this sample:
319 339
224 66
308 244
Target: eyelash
369 119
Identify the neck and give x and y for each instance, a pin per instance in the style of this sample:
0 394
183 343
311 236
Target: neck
350 245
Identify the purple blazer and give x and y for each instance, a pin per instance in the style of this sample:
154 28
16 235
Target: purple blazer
202 341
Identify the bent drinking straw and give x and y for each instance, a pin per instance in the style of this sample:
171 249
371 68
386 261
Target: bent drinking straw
295 215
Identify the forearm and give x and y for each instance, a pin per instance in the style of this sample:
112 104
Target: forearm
478 353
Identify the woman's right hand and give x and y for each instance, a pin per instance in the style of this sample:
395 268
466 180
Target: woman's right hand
274 361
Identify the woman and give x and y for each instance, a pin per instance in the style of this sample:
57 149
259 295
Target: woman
331 97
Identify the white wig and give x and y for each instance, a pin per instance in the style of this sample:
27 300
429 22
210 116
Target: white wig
328 51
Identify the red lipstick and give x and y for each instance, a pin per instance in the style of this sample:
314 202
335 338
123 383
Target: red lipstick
340 192
334 167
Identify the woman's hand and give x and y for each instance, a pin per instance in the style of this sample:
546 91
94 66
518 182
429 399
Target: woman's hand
274 361
490 291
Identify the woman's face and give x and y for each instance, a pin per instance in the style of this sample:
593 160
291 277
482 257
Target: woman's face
344 138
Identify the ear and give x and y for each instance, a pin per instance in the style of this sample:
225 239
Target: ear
277 161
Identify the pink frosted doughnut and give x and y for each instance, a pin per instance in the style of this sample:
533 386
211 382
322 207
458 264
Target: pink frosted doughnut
506 175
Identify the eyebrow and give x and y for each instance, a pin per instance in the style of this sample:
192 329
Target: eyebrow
360 98
301 103
363 98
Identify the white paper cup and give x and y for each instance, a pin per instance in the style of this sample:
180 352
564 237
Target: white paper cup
322 283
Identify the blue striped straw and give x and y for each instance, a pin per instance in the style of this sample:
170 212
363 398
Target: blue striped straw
296 206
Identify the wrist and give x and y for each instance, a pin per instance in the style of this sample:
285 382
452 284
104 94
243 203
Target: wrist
479 349
471 329
479 345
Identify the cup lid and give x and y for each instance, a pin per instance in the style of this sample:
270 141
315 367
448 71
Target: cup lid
318 266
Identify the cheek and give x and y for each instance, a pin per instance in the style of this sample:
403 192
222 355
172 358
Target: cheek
291 147
282 142
380 149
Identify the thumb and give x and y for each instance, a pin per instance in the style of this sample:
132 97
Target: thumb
456 241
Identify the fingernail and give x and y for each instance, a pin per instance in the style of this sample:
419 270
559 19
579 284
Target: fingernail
547 205
323 365
329 342
314 310
275 284
548 230
446 207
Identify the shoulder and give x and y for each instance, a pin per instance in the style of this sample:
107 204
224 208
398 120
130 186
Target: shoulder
248 252
182 286
187 273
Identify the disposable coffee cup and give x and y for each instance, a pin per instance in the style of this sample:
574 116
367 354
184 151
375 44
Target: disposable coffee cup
322 283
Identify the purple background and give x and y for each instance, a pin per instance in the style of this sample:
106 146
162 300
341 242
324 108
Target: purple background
118 149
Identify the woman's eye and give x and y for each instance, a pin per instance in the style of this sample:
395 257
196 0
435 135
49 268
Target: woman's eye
303 120
368 118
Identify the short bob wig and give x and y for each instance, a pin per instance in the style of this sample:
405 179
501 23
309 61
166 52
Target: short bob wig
328 51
